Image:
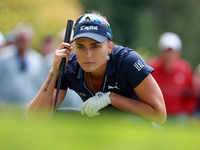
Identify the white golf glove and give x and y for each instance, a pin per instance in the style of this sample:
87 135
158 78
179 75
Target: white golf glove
92 106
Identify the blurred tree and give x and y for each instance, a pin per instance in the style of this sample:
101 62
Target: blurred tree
121 15
139 23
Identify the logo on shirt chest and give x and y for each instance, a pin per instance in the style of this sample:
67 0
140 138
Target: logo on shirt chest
81 94
113 87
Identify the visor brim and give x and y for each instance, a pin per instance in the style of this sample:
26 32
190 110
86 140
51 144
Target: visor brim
96 37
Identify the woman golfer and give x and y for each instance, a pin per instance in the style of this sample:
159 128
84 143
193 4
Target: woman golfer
103 74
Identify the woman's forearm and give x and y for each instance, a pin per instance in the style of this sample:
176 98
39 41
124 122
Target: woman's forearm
43 101
137 107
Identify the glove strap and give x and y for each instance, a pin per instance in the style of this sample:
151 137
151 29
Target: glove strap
105 96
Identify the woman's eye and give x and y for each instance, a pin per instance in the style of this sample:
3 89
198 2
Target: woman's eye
80 46
95 46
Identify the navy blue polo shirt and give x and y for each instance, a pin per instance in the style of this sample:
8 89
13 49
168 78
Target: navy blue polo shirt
126 69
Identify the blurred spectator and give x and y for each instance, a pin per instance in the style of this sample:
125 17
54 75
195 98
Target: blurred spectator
2 40
9 44
48 45
10 37
196 83
47 49
22 69
174 76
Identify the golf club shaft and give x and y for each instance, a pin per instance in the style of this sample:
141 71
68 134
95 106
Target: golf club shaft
66 40
62 64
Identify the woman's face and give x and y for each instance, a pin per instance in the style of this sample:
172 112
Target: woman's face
170 55
92 55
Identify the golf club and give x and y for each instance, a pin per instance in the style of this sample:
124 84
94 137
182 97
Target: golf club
62 64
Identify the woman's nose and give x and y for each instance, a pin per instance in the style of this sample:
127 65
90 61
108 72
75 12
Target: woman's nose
88 53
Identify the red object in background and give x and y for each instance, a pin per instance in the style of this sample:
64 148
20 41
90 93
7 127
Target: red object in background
175 82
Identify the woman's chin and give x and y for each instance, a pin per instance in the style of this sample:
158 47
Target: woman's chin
88 69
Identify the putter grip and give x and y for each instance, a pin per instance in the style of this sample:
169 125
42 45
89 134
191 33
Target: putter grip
66 40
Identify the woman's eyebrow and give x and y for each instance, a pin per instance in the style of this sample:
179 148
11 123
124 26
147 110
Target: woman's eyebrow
90 43
94 43
79 44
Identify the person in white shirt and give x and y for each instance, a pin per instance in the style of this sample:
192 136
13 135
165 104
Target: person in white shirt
21 74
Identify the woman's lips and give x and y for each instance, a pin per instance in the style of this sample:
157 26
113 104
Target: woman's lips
88 63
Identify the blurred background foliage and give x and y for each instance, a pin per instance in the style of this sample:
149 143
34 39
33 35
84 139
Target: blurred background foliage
48 17
135 23
139 23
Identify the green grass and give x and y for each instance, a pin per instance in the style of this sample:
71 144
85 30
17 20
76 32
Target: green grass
113 132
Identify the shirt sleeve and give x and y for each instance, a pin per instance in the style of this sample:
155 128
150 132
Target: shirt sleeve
136 68
64 83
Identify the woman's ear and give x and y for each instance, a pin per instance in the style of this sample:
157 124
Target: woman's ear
110 46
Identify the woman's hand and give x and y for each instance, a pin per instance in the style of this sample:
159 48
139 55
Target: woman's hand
63 51
92 106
